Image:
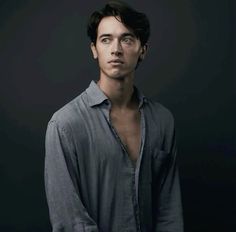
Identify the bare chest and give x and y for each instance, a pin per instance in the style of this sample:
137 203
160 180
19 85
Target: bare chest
127 126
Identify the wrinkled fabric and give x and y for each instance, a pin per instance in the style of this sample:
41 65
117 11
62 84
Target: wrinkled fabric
91 183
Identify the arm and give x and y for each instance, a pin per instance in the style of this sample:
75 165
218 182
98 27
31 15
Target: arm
67 212
169 216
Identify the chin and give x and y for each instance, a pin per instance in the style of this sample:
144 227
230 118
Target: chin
117 74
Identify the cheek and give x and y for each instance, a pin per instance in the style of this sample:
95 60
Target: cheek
134 56
133 53
101 57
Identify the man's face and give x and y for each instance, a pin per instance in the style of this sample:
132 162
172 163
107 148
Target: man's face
117 49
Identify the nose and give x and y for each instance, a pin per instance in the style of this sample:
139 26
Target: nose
116 48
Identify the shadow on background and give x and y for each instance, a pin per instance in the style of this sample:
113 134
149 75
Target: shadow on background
45 61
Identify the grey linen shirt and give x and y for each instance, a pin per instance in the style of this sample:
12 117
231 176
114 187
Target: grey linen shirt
92 184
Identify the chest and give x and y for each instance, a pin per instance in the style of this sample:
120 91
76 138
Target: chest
128 127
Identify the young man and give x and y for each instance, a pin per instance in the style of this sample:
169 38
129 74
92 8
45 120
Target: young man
110 153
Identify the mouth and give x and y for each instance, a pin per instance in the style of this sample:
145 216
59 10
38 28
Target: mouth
116 61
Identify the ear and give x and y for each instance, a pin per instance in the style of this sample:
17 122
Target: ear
94 50
143 52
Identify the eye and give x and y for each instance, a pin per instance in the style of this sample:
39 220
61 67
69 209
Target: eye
127 40
105 40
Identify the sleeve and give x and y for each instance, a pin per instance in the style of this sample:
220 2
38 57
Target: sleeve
66 210
169 216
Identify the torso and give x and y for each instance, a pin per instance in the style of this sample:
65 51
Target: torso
127 126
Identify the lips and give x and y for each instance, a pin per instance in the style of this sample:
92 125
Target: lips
116 61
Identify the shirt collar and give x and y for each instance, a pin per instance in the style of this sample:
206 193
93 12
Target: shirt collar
96 96
142 99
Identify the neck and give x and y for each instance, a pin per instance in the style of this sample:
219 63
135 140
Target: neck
119 91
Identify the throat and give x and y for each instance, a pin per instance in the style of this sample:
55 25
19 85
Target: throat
120 93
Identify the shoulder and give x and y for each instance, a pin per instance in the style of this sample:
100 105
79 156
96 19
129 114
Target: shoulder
160 110
70 114
160 115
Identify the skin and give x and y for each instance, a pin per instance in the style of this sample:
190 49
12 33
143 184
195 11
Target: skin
118 51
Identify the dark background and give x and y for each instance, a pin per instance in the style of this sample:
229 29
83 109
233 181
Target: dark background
45 62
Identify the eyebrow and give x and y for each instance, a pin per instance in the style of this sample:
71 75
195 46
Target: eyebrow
122 35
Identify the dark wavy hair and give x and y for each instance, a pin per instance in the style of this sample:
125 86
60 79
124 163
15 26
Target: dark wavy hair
136 21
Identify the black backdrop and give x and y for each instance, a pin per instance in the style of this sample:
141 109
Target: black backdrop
45 61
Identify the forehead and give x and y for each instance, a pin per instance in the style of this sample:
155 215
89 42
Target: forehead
111 25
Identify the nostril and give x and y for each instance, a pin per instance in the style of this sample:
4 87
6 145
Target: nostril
117 53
